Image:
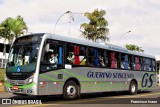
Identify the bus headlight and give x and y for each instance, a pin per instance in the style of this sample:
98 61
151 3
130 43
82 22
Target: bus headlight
30 80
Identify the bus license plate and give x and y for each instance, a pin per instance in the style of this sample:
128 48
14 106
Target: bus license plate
15 87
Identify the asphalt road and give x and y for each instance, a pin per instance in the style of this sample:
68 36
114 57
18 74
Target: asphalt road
110 99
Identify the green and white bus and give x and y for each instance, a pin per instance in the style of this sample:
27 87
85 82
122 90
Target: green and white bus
80 66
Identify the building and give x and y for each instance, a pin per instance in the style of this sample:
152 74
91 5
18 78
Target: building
3 57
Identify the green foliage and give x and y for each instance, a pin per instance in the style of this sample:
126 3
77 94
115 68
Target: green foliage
134 47
5 31
12 28
2 72
96 28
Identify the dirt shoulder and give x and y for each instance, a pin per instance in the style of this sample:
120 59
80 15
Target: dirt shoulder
1 87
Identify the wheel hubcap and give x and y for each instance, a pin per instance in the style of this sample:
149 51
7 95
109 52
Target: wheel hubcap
71 90
133 88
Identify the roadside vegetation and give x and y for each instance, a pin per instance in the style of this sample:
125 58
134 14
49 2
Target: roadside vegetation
2 72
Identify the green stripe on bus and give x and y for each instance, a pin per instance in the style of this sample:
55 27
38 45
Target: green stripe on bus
7 84
68 72
23 87
52 79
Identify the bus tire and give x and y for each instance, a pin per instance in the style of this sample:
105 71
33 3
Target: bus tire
133 88
70 90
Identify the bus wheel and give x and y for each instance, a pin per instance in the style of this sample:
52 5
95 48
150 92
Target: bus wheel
70 90
133 88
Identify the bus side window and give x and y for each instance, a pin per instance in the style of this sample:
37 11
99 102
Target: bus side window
82 55
101 58
141 63
149 68
70 54
130 61
124 61
96 54
105 59
70 58
76 55
113 60
91 57
137 63
108 59
153 65
147 64
52 56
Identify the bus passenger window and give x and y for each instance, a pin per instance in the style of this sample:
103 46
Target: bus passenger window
129 61
147 64
137 63
70 54
113 60
153 66
101 58
101 61
108 59
124 61
70 58
91 57
82 55
76 55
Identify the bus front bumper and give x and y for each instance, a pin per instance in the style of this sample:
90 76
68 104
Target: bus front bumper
28 89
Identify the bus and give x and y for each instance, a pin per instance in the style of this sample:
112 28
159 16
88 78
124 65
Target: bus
158 72
46 64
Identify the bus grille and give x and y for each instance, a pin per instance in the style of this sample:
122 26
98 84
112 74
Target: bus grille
17 83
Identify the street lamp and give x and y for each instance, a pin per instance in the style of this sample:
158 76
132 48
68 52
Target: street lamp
122 36
59 19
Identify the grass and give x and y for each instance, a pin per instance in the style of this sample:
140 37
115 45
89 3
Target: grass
2 72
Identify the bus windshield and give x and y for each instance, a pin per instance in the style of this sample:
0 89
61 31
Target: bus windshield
23 55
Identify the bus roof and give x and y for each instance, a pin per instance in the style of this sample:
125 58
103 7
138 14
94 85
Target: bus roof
93 44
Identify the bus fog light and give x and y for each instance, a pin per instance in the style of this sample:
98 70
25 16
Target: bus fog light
29 91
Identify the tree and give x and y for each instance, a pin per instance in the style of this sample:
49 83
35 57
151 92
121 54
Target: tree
96 28
134 47
5 33
12 28
18 26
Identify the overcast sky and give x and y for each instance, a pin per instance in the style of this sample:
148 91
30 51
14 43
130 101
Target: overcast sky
141 17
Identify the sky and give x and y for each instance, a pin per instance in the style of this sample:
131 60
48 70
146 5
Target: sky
141 17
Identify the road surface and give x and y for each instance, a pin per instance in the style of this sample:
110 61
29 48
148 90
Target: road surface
108 99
